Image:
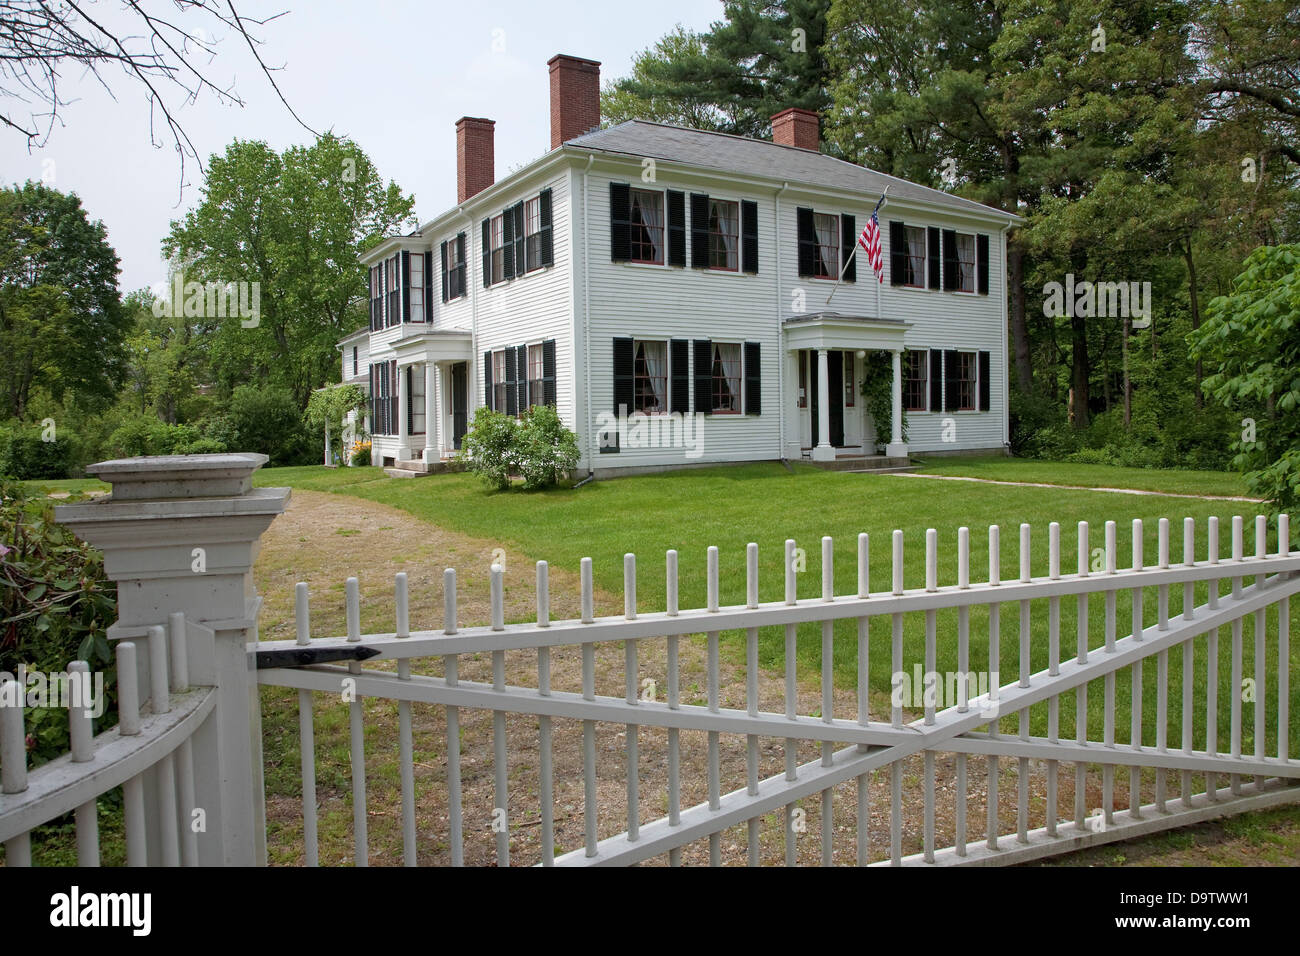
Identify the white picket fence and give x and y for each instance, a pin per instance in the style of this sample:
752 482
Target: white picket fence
868 742
180 535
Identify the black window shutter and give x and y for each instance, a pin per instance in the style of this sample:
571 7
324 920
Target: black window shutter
487 379
546 228
951 381
936 380
676 228
428 286
487 253
507 241
373 419
620 225
699 231
383 293
520 265
460 284
932 256
985 390
446 284
951 270
410 401
392 398
679 389
897 253
753 379
521 366
848 242
982 257
548 371
749 236
404 280
703 375
807 241
512 406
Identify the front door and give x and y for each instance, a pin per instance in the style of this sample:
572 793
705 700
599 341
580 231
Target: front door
835 391
459 402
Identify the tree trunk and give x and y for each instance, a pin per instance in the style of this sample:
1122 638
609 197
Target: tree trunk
1196 316
1128 385
1019 324
1079 369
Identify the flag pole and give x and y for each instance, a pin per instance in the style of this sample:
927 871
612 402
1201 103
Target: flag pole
880 204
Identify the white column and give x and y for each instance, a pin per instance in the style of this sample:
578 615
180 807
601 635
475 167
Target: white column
896 448
403 434
824 450
432 424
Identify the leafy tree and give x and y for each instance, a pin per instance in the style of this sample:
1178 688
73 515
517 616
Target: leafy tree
267 420
1251 337
295 224
327 407
764 56
62 328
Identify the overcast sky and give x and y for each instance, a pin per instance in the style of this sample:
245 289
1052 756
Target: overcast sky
394 75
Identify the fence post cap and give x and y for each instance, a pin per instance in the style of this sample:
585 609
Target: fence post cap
179 476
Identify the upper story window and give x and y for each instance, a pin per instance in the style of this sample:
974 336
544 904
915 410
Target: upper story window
376 298
650 377
354 360
393 314
724 235
916 380
533 233
647 226
726 377
915 257
965 262
826 263
498 249
453 252
416 282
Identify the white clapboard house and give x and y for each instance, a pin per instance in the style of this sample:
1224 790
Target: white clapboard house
667 289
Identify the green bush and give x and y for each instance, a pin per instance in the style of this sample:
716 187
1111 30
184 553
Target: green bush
267 420
55 607
546 450
488 448
361 457
538 448
25 454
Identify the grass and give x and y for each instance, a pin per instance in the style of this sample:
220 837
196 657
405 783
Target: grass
731 506
1001 468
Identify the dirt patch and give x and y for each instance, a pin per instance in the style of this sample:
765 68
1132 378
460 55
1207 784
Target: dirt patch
323 538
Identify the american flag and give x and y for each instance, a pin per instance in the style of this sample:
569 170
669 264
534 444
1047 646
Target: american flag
870 241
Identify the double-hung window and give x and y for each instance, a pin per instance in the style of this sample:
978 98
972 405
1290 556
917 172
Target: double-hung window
498 249
394 313
916 380
416 280
726 376
499 380
967 381
647 226
536 373
965 262
916 253
826 262
533 233
650 377
724 235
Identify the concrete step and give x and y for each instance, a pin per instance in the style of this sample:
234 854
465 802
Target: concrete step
404 473
861 463
881 471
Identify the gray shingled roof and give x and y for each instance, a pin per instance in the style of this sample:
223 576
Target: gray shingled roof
757 157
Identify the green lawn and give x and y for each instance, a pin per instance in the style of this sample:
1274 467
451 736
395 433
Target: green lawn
731 506
1001 468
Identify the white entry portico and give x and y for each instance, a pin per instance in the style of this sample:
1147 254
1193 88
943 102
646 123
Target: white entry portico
811 342
432 393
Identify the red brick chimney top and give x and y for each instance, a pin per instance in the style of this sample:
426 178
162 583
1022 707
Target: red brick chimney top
575 97
475 156
796 127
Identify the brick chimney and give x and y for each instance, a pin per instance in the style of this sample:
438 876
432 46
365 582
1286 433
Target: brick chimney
796 127
475 158
575 97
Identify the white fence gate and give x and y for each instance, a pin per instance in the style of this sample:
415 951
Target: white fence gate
180 536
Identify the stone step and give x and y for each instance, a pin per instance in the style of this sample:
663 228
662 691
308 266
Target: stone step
881 471
404 473
862 463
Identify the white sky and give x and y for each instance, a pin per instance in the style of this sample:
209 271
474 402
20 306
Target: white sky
394 75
